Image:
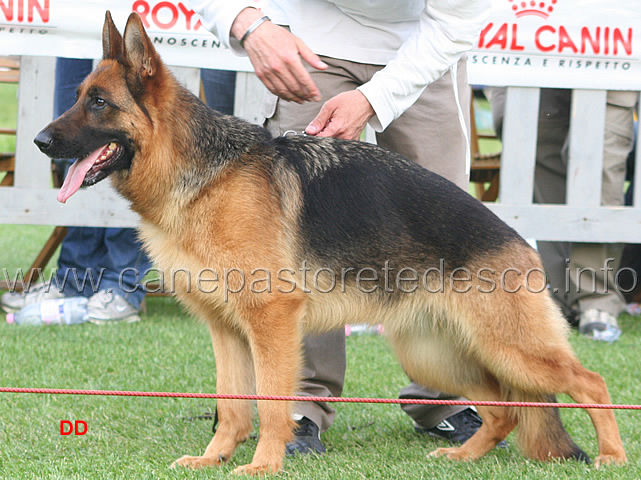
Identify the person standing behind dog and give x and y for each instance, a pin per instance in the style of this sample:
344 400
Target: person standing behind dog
590 302
398 66
98 263
593 304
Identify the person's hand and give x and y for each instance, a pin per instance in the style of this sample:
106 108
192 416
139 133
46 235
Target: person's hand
277 55
343 116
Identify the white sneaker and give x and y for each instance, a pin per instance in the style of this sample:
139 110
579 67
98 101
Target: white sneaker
599 325
11 302
107 307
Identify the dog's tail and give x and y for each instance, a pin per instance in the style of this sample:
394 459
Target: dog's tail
540 433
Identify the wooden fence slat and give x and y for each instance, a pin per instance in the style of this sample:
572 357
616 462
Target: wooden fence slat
520 128
585 156
35 110
249 97
97 206
188 77
572 224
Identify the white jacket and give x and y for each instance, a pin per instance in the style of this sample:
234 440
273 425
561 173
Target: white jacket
417 40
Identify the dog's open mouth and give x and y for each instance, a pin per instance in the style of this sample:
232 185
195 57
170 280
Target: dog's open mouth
89 170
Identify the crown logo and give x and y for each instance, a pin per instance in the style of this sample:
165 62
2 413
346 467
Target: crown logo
539 8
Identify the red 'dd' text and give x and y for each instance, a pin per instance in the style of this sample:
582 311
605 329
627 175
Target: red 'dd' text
79 427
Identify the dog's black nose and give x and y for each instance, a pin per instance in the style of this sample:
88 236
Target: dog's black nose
44 141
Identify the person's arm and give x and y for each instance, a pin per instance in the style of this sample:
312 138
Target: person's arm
219 15
447 29
276 54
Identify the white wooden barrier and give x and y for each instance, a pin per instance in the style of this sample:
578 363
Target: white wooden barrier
582 219
33 201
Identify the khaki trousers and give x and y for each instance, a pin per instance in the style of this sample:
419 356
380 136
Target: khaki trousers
428 133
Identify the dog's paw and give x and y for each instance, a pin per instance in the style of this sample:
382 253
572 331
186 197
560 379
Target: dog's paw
617 459
453 453
196 462
259 470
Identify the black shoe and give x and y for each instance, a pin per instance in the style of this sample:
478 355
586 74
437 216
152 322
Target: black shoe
457 428
307 439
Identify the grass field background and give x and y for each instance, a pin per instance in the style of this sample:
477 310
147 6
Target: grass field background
138 438
135 438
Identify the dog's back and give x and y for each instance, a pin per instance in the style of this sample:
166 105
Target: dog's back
364 205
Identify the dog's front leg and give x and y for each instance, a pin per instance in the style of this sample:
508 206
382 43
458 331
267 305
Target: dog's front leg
235 375
276 349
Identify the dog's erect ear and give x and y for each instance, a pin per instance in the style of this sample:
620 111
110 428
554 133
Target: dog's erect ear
139 51
111 38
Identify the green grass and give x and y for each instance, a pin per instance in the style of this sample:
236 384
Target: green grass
19 245
137 438
167 351
8 115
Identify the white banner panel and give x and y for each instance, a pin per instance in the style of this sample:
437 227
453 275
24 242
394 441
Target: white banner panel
72 28
560 43
550 43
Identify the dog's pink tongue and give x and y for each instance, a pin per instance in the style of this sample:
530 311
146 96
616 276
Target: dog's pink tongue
76 175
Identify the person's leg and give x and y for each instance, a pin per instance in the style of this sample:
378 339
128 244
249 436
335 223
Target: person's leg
601 294
323 375
125 264
430 417
323 371
79 271
103 259
578 292
220 89
550 185
407 136
70 72
618 142
81 244
430 133
592 270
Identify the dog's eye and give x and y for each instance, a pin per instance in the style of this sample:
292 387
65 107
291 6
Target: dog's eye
99 102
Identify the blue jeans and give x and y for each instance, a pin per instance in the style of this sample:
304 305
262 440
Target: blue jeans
219 87
93 258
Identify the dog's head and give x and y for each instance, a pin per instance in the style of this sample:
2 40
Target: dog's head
103 128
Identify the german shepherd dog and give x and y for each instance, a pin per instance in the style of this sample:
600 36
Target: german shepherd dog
385 241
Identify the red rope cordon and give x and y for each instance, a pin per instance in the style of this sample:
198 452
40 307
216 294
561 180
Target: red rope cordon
218 396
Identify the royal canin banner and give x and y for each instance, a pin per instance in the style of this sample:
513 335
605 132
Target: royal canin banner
543 43
560 43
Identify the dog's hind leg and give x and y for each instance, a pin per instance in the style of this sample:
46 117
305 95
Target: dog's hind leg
234 376
541 433
275 342
531 355
589 387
